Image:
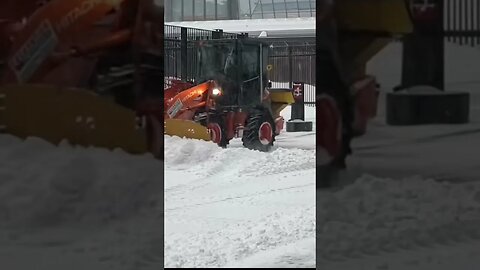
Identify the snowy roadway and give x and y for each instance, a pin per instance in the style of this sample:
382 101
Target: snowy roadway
412 194
239 208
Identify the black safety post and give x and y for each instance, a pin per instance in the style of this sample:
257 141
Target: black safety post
297 121
298 108
423 69
423 50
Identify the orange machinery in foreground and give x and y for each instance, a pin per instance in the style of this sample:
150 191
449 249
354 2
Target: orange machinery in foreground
83 70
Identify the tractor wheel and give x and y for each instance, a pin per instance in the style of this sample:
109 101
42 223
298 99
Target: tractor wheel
332 148
217 130
259 133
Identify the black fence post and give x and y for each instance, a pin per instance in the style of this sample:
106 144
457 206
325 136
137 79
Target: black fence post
290 67
183 53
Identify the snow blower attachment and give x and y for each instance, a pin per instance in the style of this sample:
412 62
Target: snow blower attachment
349 34
84 71
231 100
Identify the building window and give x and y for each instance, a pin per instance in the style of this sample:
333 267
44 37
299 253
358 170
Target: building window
176 10
223 10
264 9
245 9
280 8
187 10
211 9
199 10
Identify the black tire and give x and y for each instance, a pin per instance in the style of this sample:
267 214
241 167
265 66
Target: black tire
327 175
219 120
250 137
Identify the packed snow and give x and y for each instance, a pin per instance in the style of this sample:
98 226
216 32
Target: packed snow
376 217
78 208
235 207
411 196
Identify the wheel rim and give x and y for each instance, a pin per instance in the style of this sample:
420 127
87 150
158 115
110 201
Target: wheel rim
215 132
265 133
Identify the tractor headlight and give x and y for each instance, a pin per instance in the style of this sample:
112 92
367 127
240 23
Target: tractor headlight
216 92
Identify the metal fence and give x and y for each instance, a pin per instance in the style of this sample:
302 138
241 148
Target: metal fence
461 21
294 62
180 50
290 61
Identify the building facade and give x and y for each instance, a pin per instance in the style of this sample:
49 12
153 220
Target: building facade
209 10
288 25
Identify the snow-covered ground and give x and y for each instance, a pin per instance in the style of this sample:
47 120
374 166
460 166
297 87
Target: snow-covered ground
411 198
78 208
239 208
409 223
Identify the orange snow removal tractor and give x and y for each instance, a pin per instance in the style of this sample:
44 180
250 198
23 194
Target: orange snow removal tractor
231 98
88 71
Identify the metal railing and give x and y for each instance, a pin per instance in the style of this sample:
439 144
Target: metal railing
180 50
294 62
289 61
461 21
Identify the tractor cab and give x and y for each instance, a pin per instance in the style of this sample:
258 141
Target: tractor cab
238 66
229 98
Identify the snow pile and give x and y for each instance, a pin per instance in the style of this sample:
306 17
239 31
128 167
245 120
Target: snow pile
299 254
237 207
100 209
218 247
41 184
375 215
206 159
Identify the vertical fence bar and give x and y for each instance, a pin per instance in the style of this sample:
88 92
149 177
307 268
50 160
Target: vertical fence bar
183 53
448 18
465 20
472 21
456 19
478 22
290 67
461 9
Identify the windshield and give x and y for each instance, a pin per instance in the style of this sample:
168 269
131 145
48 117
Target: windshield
215 60
236 67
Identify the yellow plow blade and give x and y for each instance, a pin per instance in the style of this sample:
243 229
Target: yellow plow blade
282 97
78 115
186 129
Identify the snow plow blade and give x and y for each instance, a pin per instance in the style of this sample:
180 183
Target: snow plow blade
186 129
83 118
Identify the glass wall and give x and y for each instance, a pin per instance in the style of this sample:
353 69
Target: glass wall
202 10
